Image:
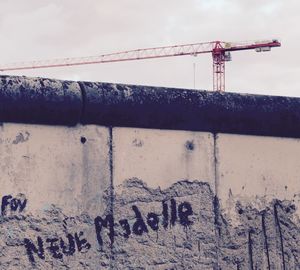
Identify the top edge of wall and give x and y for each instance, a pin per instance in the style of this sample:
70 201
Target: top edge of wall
55 102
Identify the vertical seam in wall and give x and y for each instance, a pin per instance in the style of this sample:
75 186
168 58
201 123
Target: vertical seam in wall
266 244
83 101
216 162
250 250
111 169
277 222
216 200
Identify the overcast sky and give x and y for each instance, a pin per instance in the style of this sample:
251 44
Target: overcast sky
38 29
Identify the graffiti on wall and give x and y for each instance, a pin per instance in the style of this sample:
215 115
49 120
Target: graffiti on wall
13 204
181 225
170 213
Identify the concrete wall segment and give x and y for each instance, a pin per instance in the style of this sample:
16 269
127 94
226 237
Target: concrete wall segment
54 182
156 172
37 100
166 214
68 167
45 101
252 167
160 188
258 191
182 109
158 160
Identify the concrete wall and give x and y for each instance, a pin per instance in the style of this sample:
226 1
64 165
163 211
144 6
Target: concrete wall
97 197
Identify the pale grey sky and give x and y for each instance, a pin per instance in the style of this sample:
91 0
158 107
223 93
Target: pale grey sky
39 29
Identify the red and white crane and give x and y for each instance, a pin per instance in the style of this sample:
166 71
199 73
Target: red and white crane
220 51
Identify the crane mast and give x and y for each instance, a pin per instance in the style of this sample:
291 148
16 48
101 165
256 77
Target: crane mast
220 53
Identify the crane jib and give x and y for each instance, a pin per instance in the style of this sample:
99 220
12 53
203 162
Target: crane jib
220 52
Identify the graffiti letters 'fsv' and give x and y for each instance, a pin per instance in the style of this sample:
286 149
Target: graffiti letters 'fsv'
13 204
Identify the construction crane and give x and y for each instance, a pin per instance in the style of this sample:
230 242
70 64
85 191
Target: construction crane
220 51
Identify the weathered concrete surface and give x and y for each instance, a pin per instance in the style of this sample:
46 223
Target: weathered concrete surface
254 166
261 238
62 174
37 100
266 238
67 167
181 109
155 170
175 242
251 222
258 184
74 218
150 155
45 101
92 197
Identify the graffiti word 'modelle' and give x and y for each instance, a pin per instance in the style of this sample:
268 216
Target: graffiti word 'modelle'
170 215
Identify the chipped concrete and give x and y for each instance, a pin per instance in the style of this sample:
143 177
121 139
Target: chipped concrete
254 166
199 237
55 227
267 238
118 198
258 242
52 187
248 223
174 246
21 137
180 200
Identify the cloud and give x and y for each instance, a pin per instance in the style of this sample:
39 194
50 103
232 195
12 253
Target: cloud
40 29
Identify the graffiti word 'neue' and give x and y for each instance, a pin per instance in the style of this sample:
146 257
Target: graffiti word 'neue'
58 247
